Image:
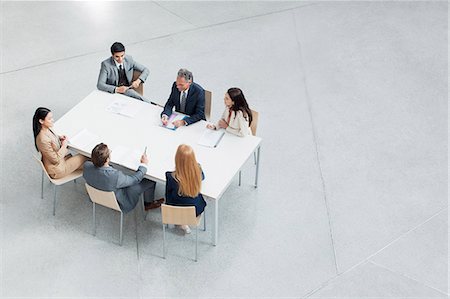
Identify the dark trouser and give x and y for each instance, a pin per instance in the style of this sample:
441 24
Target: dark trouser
134 192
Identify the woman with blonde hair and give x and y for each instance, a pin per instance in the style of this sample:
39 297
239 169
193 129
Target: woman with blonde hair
184 184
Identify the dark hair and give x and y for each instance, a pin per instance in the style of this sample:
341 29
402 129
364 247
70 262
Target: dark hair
117 47
100 154
39 114
237 96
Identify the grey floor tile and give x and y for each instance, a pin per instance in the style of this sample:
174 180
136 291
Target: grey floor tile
421 254
378 95
58 30
204 13
371 281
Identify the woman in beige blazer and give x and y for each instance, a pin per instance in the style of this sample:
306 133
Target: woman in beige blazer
53 148
237 116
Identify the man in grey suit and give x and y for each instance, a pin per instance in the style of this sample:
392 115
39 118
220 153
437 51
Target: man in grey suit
116 73
127 188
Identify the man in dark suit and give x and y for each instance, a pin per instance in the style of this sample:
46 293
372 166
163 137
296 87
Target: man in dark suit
116 73
127 188
187 97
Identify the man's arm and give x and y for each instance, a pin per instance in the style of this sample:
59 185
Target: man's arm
199 108
170 102
102 77
141 68
125 180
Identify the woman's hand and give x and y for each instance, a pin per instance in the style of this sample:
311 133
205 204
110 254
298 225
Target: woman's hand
223 124
211 126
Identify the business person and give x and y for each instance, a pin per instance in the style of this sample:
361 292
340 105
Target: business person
53 148
237 116
116 73
187 97
183 185
127 188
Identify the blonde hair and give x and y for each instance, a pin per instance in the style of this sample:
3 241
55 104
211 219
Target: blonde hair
187 171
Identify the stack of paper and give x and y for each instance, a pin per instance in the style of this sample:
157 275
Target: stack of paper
124 107
126 156
84 140
211 138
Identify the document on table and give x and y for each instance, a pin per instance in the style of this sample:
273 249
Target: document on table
126 156
124 107
84 140
211 138
173 117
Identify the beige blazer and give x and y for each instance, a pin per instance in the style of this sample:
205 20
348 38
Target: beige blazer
52 154
238 124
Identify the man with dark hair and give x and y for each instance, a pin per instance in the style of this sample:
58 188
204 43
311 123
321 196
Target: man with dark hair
187 97
127 188
116 73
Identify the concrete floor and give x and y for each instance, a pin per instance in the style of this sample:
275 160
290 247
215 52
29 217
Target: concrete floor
352 200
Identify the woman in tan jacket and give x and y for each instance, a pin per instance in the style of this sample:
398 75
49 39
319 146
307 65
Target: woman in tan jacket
53 148
237 117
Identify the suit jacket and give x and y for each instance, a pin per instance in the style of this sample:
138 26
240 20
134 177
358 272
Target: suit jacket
111 179
195 103
109 73
52 153
237 124
173 198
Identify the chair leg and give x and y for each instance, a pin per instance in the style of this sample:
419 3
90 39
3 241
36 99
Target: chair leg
240 172
254 157
42 185
204 221
143 208
121 226
93 219
164 241
54 200
196 241
75 181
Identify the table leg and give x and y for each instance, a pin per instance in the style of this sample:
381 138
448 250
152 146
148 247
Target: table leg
215 231
257 166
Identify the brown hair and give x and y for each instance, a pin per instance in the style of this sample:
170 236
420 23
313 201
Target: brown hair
240 103
100 154
187 171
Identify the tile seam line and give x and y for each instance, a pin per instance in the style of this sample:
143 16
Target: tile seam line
174 14
316 147
139 272
367 259
154 38
407 276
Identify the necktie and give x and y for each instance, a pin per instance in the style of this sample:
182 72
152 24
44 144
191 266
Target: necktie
183 102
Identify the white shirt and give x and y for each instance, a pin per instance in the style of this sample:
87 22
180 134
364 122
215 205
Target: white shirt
117 64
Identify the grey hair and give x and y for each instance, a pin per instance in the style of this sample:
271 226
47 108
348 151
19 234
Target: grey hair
184 73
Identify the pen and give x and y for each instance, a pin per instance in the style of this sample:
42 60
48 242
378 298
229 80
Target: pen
145 151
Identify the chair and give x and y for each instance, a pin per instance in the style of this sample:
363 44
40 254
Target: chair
208 101
253 128
180 216
56 182
140 89
106 199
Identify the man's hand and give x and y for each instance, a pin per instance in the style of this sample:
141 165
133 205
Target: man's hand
136 83
121 89
144 159
223 124
164 120
179 123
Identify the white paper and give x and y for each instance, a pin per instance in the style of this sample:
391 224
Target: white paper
124 107
84 140
211 138
126 156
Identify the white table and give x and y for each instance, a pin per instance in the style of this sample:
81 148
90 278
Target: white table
219 164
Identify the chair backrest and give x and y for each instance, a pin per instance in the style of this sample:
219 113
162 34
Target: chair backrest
208 101
140 89
104 198
254 124
178 215
42 166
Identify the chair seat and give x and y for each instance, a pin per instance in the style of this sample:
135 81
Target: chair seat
70 177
